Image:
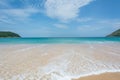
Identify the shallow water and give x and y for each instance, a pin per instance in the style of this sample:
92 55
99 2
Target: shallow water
57 61
69 40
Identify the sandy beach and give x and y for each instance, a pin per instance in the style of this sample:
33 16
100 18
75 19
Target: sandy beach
59 61
104 76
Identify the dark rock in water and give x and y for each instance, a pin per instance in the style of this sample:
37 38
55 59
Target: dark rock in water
115 34
6 34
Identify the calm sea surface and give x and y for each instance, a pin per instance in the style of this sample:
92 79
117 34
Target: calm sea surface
56 40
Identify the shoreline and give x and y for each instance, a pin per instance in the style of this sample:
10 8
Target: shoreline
60 62
95 73
101 76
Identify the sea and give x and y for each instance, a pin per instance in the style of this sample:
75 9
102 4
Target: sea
58 40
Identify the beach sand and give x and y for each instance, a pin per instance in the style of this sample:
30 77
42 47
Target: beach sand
104 76
58 61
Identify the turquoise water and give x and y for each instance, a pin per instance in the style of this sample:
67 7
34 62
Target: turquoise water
56 40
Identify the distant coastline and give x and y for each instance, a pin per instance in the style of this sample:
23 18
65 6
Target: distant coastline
8 34
115 34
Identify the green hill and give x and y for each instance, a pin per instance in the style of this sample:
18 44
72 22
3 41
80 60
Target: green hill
6 34
115 34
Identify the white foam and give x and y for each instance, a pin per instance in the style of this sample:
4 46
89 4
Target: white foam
57 76
95 73
70 65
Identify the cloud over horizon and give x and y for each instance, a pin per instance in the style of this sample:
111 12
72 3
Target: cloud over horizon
61 26
64 9
18 10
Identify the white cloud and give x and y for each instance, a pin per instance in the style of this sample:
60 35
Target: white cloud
115 23
14 15
64 9
89 28
62 26
97 24
4 19
20 12
98 27
17 14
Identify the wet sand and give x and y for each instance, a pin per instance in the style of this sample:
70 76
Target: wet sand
59 61
104 76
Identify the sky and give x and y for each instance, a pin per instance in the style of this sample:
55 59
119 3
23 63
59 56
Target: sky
60 18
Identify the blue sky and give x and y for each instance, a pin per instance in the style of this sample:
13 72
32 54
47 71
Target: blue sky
60 18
